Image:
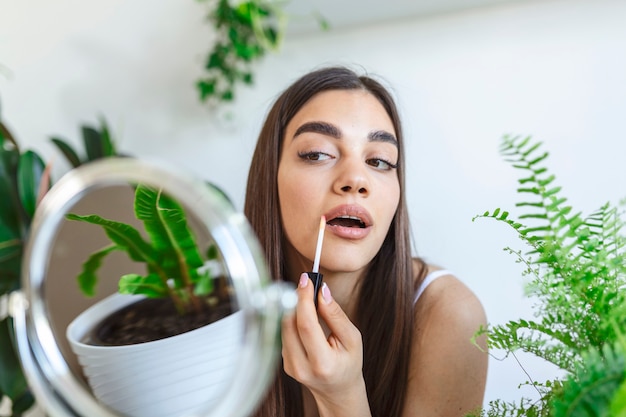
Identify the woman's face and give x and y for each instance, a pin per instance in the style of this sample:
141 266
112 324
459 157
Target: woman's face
339 160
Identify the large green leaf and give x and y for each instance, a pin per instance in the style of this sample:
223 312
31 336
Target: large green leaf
88 278
9 227
108 146
10 275
9 202
12 380
10 248
23 403
29 173
93 143
67 151
166 224
151 285
10 240
125 236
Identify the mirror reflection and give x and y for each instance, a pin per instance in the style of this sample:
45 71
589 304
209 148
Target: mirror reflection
141 303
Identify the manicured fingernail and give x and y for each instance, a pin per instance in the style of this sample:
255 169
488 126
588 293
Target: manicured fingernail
304 280
326 294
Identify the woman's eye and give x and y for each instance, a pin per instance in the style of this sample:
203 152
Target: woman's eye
381 164
314 156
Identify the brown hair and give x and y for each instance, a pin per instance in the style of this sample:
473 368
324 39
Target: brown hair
385 301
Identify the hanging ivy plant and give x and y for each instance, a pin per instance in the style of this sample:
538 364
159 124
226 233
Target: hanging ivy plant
246 31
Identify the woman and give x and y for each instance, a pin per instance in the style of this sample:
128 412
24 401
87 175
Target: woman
386 338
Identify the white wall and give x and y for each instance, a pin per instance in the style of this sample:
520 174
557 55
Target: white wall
552 69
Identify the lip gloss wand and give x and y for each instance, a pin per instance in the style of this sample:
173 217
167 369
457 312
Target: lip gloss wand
315 276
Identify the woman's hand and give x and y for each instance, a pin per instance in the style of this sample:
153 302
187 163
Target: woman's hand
330 367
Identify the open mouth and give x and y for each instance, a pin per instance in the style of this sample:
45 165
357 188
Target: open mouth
347 221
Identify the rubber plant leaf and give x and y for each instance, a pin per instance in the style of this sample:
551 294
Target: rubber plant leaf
12 381
10 274
29 175
165 223
10 250
93 143
151 285
108 146
10 240
67 151
9 158
22 403
10 226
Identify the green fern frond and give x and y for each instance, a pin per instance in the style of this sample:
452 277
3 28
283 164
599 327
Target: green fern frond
556 346
589 390
525 407
575 267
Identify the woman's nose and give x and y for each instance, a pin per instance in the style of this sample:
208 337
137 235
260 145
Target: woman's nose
348 188
352 179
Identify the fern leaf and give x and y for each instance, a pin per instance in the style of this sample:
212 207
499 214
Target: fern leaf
532 148
577 275
541 216
617 406
538 159
546 181
591 388
538 204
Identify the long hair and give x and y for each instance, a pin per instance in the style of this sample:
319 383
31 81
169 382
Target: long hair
385 300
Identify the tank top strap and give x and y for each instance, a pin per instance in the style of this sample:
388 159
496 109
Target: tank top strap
428 279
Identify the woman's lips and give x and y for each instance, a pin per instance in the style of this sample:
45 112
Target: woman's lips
347 232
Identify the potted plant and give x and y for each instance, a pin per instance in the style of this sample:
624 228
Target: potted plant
168 340
575 267
97 142
24 179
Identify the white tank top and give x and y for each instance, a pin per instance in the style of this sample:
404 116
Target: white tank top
428 279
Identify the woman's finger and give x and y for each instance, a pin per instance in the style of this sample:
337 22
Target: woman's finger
342 329
293 353
308 326
303 339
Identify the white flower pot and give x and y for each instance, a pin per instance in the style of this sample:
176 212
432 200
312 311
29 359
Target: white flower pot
166 377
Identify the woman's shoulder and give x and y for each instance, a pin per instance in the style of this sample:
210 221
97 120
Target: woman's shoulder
447 371
442 296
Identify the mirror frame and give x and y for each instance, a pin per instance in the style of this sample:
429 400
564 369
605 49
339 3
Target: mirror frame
263 301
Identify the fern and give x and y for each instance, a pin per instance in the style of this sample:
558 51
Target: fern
589 390
576 270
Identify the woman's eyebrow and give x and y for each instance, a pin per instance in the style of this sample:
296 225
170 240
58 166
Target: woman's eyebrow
333 131
382 136
319 127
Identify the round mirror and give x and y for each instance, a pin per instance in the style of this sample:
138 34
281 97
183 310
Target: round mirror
145 293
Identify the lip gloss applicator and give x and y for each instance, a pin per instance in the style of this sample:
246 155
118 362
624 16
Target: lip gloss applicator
315 276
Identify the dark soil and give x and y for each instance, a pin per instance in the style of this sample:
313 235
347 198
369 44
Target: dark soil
153 319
